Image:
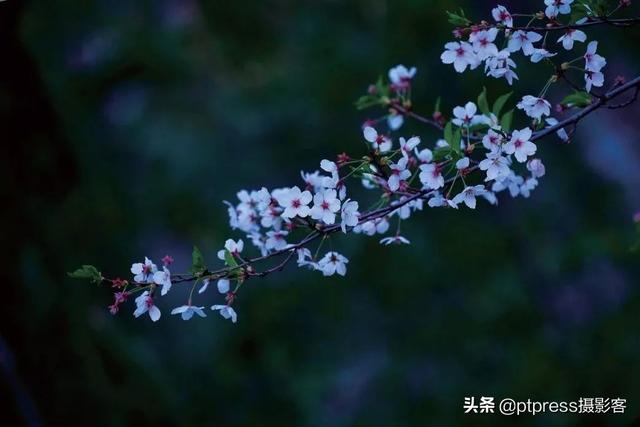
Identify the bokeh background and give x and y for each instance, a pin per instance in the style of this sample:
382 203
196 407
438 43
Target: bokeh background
127 123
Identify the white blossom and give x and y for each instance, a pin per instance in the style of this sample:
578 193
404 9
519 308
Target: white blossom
187 311
496 165
468 196
520 146
226 311
593 61
232 246
501 65
572 35
332 263
431 176
325 206
502 16
536 167
143 271
378 141
395 121
438 200
483 43
276 240
294 202
534 107
556 7
460 54
539 54
205 285
163 278
349 215
401 76
424 156
398 240
398 174
466 116
523 40
406 146
492 141
144 304
223 285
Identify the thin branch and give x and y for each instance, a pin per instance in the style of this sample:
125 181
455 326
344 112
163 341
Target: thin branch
622 22
599 103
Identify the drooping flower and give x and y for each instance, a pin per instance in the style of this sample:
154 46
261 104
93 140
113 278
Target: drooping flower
223 285
468 196
187 311
593 61
226 311
520 146
593 78
205 285
332 263
572 35
397 240
438 200
536 167
144 304
163 278
534 107
539 54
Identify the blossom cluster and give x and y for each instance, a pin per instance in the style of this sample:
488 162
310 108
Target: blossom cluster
481 45
480 155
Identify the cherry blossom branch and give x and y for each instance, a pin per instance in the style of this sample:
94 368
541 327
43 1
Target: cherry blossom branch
599 103
622 22
507 162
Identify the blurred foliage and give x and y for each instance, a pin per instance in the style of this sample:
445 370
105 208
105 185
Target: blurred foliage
128 124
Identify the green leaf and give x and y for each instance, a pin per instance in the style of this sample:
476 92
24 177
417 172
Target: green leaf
197 261
506 121
88 272
436 109
458 19
482 102
499 104
455 143
577 99
441 153
229 259
448 132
